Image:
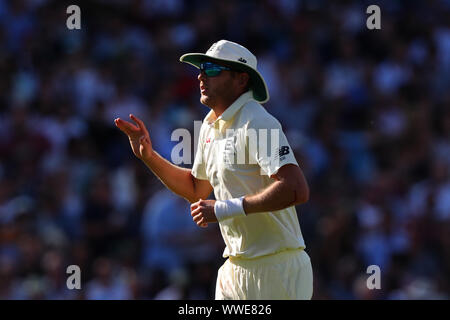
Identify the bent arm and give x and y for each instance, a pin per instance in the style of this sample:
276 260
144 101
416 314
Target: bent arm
178 180
289 189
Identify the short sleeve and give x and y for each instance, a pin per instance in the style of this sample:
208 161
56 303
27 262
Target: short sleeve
268 146
199 167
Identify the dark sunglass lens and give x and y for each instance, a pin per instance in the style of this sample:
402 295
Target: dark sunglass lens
212 72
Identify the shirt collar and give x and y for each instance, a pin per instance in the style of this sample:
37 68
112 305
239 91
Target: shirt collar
229 113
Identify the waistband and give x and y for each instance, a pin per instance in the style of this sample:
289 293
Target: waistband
277 257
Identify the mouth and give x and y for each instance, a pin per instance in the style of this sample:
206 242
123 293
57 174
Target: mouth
203 89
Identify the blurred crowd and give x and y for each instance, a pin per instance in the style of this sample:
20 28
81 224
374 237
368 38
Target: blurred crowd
367 112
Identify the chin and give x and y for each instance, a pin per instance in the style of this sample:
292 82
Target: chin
205 100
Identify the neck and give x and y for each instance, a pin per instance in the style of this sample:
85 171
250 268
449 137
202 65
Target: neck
220 108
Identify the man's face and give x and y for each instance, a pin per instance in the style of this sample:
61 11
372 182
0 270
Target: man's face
217 90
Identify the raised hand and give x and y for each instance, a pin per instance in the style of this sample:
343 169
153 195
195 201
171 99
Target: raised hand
138 135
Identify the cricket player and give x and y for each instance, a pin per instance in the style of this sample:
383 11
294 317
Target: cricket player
244 156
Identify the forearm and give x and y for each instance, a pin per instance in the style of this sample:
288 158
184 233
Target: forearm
289 189
178 180
277 196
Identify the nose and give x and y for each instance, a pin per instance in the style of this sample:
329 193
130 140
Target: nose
201 76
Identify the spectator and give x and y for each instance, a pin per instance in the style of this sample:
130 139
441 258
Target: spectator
367 112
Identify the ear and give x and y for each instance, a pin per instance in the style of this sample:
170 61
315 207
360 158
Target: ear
244 79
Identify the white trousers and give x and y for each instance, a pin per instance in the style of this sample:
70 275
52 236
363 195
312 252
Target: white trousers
282 276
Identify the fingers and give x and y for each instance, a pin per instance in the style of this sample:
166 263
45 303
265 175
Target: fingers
139 123
196 207
198 217
129 128
125 126
196 204
200 221
196 211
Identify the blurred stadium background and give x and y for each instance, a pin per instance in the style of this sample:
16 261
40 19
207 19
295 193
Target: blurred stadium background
368 113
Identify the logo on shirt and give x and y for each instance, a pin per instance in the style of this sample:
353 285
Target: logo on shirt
208 140
282 151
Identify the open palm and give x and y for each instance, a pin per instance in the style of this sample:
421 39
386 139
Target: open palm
138 135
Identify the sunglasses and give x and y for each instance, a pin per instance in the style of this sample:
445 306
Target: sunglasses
212 69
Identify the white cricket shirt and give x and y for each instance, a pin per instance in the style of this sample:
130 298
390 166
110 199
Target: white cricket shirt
231 156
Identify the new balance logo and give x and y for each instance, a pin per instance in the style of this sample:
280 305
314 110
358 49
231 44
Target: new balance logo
283 151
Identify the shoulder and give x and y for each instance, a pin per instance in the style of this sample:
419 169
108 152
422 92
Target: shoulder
254 115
